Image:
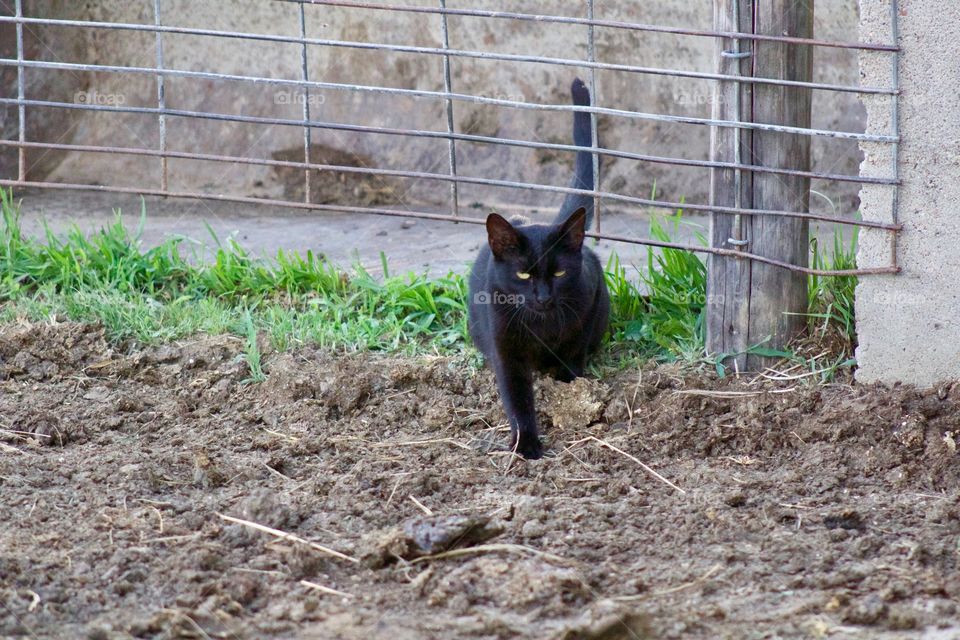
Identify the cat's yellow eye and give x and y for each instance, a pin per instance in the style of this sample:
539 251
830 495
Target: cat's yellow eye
523 275
560 274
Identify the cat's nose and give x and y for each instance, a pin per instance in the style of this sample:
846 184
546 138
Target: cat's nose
544 300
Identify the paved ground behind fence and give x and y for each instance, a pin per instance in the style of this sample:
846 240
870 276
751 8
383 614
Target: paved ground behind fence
410 245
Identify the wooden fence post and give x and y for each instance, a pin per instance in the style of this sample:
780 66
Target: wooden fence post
750 304
728 279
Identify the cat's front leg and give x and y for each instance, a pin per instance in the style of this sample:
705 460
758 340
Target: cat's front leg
515 382
568 364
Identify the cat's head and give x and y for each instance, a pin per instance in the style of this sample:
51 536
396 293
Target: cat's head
537 264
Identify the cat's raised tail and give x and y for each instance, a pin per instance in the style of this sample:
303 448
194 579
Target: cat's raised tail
583 177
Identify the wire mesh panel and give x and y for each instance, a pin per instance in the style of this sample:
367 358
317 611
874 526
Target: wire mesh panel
423 111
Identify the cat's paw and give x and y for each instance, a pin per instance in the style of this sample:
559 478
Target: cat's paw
529 447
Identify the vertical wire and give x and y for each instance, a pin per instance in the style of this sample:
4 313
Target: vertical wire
161 98
306 105
447 85
21 108
737 231
895 117
592 54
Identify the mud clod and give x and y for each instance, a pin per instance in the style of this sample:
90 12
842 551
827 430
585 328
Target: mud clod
573 405
427 536
848 519
630 626
436 534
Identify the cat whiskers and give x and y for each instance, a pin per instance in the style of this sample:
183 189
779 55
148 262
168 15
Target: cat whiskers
534 315
563 304
517 312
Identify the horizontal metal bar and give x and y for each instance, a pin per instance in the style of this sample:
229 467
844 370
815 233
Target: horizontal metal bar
613 24
606 66
483 55
419 93
753 256
419 133
433 216
420 175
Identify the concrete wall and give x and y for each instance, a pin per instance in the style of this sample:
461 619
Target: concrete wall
836 19
908 324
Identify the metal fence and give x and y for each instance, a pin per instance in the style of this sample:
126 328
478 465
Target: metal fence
309 81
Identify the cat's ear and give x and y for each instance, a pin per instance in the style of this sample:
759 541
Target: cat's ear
502 236
573 230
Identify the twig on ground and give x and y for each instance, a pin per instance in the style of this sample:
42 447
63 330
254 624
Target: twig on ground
730 394
488 548
193 622
268 572
712 570
5 448
283 535
420 505
277 473
787 505
186 536
159 517
413 443
779 377
631 403
323 589
285 436
686 585
395 487
645 467
24 435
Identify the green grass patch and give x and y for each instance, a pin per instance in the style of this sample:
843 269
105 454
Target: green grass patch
152 295
830 300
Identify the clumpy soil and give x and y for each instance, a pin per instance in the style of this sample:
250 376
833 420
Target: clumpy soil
130 479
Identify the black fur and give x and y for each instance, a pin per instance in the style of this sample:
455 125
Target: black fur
583 173
544 322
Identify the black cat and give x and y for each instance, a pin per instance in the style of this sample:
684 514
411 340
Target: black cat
538 297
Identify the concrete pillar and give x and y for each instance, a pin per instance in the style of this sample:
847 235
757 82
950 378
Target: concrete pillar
908 325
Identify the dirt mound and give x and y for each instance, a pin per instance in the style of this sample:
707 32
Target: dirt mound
156 493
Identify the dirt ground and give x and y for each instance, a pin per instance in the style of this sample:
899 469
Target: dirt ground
782 510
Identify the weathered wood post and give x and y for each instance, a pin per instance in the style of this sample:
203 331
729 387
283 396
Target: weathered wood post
728 279
751 303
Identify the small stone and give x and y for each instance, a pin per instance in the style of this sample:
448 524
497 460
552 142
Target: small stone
902 619
735 500
846 519
532 529
98 633
426 536
838 535
870 610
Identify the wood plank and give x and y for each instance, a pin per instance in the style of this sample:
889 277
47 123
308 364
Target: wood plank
728 279
777 293
751 303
